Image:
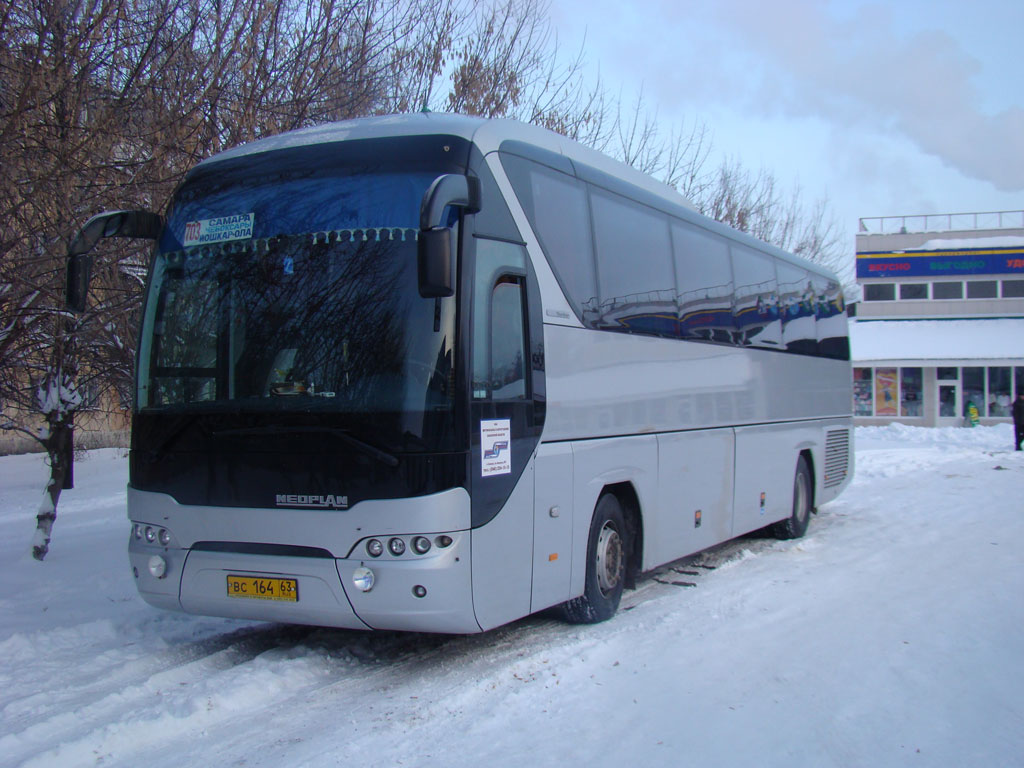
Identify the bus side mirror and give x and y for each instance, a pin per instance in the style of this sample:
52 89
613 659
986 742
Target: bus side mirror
434 245
434 253
141 224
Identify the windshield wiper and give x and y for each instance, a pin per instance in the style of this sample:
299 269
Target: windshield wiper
344 435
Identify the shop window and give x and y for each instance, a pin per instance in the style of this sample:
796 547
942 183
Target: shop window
947 401
947 374
862 392
910 392
973 389
999 395
982 289
947 290
1018 376
880 292
886 392
913 291
1013 289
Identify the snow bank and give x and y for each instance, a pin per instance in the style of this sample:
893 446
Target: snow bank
888 636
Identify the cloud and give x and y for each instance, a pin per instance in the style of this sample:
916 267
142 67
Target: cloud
796 58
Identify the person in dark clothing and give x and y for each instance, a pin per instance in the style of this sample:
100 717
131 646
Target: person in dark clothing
1018 419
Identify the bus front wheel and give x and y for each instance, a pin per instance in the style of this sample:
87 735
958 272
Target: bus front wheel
795 526
606 566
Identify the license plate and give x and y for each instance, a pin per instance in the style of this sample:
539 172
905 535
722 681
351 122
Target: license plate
262 588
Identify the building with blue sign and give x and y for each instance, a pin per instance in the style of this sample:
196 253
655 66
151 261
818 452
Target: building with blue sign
939 333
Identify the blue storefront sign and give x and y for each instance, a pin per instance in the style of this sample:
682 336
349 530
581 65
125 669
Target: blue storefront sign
968 261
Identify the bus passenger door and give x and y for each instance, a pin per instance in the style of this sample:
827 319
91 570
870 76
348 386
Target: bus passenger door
552 526
504 432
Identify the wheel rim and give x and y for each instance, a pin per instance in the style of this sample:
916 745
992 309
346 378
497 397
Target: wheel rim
800 508
609 558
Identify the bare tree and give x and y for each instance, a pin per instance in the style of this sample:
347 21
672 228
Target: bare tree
755 204
107 104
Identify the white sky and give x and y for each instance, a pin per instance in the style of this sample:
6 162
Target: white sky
902 108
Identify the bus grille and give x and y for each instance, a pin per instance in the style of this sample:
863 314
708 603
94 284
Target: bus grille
837 456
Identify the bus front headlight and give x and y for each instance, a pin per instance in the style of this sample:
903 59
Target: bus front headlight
157 566
362 577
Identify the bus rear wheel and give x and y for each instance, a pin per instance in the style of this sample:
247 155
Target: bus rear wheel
606 566
795 526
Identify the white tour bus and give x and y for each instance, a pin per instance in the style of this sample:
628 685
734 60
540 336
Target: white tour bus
437 373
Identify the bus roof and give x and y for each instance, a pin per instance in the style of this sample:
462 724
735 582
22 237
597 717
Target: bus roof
488 135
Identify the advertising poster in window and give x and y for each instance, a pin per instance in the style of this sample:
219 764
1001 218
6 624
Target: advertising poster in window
863 397
886 392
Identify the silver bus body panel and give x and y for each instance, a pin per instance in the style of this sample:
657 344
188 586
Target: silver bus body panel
322 600
554 516
691 500
445 574
598 464
195 580
603 384
336 530
695 493
503 558
721 425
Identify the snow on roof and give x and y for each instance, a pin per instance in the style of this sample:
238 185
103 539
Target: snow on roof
937 339
958 243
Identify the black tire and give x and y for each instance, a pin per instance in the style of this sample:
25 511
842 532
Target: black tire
795 526
606 566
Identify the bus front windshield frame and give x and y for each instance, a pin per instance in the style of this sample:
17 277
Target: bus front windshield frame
287 293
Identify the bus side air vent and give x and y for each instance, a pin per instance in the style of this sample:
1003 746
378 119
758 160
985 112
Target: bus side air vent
837 456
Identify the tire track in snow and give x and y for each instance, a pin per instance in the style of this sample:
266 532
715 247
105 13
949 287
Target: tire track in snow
138 696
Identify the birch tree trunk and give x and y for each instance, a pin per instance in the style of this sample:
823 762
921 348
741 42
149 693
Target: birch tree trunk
60 452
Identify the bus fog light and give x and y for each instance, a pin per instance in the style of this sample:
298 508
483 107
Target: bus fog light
150 534
374 548
137 530
362 577
443 541
157 566
396 546
419 590
421 544
165 536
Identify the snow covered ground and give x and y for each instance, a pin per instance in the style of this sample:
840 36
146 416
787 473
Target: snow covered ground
893 634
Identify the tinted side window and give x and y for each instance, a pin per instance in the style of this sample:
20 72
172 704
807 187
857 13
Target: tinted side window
508 340
635 272
831 322
797 307
756 309
556 206
704 282
499 341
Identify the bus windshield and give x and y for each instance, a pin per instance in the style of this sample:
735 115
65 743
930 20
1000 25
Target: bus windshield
289 287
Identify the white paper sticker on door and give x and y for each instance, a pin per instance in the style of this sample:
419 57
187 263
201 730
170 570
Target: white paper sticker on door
496 447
